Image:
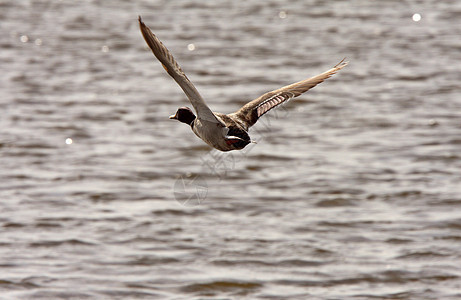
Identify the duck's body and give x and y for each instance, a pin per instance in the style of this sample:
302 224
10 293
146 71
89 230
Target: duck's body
224 134
221 131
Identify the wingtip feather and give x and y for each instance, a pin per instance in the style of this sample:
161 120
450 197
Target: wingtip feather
342 63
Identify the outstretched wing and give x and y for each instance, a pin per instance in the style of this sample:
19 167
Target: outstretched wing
252 111
174 70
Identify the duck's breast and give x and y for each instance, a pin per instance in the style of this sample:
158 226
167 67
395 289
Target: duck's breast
211 133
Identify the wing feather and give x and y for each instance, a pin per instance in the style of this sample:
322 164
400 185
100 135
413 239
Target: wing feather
174 70
253 110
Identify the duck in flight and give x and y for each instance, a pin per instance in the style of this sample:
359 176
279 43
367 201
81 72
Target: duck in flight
221 131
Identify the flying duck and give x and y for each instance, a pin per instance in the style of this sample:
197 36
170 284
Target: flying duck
221 131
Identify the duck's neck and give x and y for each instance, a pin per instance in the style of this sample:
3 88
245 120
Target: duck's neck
188 118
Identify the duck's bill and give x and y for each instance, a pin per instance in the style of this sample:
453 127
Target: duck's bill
173 117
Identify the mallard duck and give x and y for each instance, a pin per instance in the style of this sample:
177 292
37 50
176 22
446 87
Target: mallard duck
221 131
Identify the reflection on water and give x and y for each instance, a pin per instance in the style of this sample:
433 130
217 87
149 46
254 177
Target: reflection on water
416 17
351 191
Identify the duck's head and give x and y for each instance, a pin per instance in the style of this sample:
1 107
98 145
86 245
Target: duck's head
184 115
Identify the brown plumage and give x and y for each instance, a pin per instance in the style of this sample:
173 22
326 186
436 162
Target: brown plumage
253 110
225 132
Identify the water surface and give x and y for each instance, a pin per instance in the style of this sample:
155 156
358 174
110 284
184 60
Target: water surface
352 191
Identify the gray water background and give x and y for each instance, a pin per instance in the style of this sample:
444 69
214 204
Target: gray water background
352 191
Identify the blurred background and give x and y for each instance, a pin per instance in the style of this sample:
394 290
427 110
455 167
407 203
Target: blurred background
352 191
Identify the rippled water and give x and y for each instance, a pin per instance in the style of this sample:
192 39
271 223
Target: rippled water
352 191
